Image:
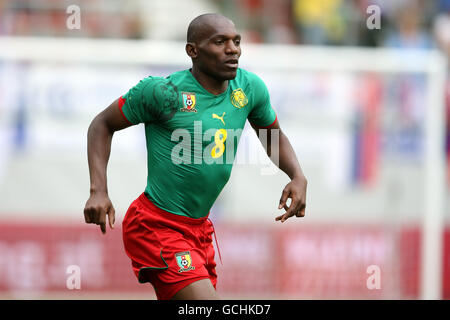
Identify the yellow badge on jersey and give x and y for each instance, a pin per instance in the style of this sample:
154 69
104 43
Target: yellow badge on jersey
238 98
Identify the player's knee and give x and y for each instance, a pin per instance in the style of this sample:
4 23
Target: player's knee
198 290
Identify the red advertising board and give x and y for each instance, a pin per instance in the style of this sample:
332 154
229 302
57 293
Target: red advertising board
312 262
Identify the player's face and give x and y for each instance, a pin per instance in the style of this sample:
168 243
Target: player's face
218 54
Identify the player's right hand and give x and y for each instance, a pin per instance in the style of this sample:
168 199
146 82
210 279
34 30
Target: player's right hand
97 207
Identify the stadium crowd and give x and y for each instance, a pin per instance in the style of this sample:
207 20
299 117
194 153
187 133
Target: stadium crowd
404 23
422 24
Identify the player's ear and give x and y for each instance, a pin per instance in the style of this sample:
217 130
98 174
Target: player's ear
191 50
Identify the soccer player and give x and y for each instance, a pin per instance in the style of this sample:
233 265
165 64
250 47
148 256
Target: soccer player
166 230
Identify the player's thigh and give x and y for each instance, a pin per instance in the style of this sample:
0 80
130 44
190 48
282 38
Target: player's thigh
198 290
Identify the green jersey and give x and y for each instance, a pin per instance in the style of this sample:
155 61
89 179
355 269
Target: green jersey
192 135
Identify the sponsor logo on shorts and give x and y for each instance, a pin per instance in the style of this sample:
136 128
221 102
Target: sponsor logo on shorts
184 261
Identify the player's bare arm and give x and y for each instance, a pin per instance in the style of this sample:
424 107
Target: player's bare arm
100 134
288 163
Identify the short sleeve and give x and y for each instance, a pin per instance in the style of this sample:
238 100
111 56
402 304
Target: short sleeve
262 113
152 99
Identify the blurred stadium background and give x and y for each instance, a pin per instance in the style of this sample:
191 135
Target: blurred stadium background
367 112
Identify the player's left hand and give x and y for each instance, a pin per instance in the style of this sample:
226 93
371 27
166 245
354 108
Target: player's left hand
296 191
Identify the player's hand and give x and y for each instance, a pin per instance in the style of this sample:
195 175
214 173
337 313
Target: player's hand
97 208
296 191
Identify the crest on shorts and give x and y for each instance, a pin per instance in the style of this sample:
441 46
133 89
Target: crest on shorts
189 101
184 261
238 98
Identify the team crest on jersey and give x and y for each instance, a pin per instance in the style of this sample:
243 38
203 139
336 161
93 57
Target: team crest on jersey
184 261
189 102
238 98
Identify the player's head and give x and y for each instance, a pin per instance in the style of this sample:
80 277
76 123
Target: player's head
214 45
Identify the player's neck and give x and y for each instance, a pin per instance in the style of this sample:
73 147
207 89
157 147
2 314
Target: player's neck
210 84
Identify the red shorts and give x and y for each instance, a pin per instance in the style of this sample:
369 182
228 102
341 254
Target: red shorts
168 250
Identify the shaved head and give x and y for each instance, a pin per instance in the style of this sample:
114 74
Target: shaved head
213 44
202 26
